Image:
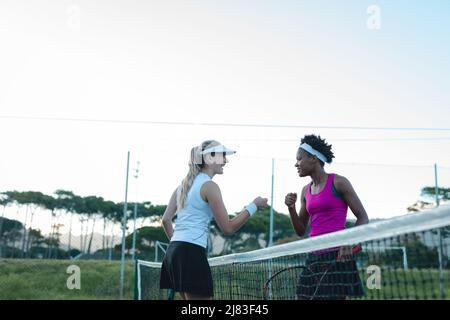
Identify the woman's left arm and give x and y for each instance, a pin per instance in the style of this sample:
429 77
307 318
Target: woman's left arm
345 188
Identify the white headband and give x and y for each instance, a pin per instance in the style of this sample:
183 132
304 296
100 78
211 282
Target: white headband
313 151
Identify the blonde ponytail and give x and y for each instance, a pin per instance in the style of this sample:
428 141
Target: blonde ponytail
195 167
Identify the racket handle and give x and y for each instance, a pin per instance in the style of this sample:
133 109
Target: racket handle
356 249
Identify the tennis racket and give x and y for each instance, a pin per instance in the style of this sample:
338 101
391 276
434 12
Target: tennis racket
293 273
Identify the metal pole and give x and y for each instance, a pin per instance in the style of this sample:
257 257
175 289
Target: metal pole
134 232
271 207
405 259
436 188
124 223
271 227
110 248
135 214
441 274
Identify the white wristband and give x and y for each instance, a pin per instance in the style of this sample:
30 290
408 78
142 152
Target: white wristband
251 208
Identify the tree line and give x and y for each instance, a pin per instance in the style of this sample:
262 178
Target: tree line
21 239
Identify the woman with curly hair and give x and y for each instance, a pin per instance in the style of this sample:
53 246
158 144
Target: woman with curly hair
323 204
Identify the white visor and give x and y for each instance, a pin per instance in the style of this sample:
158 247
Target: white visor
219 149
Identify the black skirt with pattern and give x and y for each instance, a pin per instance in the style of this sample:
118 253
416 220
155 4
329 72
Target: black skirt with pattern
185 268
325 278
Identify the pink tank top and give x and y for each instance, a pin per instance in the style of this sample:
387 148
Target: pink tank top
327 212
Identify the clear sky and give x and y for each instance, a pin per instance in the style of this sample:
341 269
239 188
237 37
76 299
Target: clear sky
299 63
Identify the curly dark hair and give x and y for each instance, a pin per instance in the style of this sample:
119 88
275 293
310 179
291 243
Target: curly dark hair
320 145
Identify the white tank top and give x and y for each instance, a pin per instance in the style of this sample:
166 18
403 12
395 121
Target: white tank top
192 222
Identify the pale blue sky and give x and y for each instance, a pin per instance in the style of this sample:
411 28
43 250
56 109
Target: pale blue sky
311 63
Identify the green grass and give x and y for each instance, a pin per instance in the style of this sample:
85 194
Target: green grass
246 282
100 280
47 280
410 284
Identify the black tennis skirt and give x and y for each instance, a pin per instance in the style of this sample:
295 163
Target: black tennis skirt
327 279
185 268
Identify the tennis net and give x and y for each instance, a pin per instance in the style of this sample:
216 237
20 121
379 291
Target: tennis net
405 257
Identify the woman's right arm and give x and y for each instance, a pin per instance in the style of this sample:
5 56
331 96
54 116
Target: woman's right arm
213 196
300 220
169 214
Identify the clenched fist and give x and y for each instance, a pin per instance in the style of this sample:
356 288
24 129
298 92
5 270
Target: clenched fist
261 203
290 200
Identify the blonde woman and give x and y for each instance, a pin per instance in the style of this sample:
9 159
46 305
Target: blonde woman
195 202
